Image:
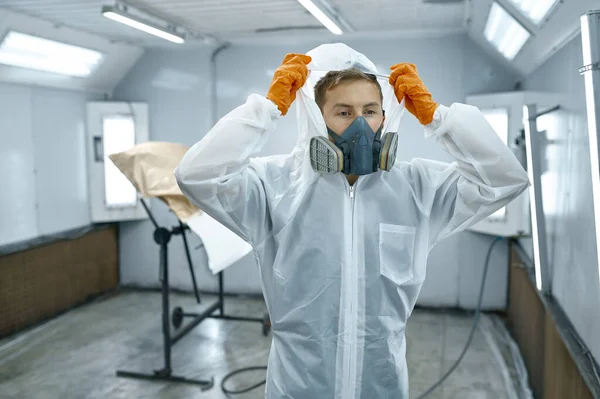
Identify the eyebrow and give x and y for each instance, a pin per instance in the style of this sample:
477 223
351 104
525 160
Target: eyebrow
371 104
341 105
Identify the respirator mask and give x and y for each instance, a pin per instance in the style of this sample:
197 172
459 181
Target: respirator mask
358 151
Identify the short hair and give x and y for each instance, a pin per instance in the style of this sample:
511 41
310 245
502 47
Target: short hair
334 78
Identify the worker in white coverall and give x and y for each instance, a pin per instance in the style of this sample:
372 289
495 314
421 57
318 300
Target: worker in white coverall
343 256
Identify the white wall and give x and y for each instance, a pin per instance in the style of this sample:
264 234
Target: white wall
567 192
18 194
42 159
451 67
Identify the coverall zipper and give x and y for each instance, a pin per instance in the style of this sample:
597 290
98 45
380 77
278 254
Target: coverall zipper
352 294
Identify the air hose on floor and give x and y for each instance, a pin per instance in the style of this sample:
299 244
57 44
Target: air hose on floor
473 328
238 371
434 386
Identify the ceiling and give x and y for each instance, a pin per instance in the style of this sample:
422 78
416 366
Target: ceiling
249 21
234 19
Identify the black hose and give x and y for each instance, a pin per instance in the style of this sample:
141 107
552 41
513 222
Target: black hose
434 386
473 329
238 371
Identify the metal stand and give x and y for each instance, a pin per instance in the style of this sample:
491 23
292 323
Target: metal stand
162 237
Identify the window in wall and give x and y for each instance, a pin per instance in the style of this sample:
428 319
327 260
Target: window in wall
118 136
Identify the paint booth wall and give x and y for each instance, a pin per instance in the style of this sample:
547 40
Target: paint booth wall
42 159
567 193
176 84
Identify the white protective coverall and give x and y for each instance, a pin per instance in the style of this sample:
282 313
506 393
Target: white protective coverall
341 267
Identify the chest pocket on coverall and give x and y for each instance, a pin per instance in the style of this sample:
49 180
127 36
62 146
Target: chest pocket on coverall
396 252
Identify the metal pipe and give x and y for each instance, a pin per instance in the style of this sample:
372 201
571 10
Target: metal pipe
165 301
237 318
150 215
215 119
555 108
199 318
189 259
221 292
213 81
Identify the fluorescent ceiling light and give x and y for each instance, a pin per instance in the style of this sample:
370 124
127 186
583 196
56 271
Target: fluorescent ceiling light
536 10
321 16
123 17
537 256
32 52
504 32
589 42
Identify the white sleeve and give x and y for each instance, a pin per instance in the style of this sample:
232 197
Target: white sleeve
216 175
484 177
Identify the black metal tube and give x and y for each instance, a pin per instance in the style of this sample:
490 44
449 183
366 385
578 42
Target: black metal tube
555 108
221 294
237 318
199 318
150 215
160 376
189 259
165 305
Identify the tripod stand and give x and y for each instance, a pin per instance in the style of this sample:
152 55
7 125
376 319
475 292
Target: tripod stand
162 236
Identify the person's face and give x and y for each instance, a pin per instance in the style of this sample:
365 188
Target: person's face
347 101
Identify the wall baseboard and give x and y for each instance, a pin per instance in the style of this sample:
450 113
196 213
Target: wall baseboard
552 369
39 283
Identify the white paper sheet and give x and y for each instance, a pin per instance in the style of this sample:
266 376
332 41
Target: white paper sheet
223 247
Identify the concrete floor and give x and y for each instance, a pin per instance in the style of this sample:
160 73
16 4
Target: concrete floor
76 355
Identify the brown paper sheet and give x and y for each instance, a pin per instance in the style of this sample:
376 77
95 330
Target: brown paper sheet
150 168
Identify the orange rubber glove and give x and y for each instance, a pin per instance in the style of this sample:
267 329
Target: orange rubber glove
409 86
287 80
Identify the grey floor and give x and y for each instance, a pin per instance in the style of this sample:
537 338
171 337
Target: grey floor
76 355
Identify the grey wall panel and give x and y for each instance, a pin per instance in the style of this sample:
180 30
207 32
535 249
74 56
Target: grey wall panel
58 120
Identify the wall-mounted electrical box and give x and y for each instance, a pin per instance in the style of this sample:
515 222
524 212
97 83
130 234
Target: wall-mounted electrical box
113 127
